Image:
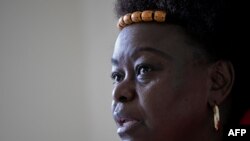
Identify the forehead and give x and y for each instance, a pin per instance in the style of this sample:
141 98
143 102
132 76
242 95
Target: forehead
170 39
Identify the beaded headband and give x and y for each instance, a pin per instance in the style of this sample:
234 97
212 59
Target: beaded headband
138 16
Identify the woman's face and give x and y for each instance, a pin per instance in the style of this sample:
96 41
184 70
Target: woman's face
160 88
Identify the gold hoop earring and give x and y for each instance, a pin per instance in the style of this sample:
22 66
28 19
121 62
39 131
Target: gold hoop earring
216 117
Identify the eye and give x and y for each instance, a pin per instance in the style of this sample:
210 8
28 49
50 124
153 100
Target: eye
116 77
143 69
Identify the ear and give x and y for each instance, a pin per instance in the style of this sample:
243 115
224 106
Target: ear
221 75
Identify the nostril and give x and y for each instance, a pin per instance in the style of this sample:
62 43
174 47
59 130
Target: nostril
123 99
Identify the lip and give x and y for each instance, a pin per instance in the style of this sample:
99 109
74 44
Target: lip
128 120
126 124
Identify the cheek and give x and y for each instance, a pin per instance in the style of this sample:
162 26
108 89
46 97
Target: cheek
156 99
168 107
194 89
192 93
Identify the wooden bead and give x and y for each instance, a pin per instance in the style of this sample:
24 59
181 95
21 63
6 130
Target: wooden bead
127 19
118 26
159 16
136 16
121 23
147 15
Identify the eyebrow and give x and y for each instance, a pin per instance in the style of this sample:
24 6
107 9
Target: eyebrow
135 51
152 50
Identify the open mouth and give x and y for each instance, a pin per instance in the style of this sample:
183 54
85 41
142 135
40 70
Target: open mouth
127 124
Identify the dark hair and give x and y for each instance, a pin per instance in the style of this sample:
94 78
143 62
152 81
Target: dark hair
217 24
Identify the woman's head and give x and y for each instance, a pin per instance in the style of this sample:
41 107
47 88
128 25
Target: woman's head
166 78
210 22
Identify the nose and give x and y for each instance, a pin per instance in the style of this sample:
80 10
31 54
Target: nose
124 91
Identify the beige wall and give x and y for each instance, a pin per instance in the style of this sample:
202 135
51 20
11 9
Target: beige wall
54 70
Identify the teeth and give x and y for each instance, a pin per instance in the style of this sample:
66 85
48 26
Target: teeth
129 123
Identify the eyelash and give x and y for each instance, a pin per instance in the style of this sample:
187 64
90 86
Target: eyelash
117 77
139 69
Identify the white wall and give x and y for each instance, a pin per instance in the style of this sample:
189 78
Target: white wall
54 70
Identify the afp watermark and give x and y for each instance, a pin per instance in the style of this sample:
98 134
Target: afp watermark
239 133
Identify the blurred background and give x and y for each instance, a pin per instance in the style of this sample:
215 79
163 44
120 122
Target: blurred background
55 70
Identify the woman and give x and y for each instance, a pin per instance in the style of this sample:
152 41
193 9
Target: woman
175 72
